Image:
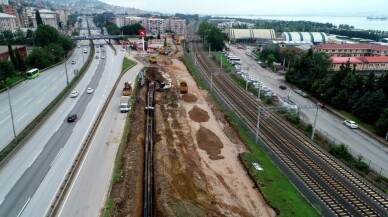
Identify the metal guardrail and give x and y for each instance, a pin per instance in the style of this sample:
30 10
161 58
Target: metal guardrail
74 168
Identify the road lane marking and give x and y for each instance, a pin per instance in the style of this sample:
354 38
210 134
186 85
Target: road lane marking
43 89
1 201
34 159
41 100
56 157
4 120
21 211
21 117
27 101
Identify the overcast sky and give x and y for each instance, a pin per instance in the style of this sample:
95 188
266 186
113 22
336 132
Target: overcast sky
260 7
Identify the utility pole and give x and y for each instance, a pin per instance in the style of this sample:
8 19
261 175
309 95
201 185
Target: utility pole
315 122
10 108
210 45
67 77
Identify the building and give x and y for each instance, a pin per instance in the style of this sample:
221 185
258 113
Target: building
48 17
4 2
313 37
119 20
251 35
365 63
178 26
156 26
63 16
4 55
352 50
133 20
12 10
7 22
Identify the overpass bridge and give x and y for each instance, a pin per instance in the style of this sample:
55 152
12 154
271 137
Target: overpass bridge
96 37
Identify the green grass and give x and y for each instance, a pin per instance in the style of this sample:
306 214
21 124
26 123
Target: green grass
110 207
225 64
15 79
127 64
275 187
193 71
360 122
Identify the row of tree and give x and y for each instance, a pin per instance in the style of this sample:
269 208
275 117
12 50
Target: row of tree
50 47
366 98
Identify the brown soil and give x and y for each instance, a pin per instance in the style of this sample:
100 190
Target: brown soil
197 171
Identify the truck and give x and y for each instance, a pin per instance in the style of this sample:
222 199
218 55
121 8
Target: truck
125 104
127 89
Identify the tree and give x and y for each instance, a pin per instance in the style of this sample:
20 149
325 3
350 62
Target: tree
19 37
39 58
370 105
65 42
8 37
55 50
382 123
20 62
12 56
38 18
6 71
165 42
30 37
45 34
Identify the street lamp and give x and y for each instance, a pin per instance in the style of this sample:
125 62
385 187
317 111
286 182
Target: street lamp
12 120
67 77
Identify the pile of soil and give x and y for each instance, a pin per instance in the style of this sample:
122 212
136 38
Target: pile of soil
197 171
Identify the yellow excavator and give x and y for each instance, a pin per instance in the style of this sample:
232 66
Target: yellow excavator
127 90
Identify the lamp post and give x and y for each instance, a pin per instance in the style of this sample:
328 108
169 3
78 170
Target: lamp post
12 119
67 77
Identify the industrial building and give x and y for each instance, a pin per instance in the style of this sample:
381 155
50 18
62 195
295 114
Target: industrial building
251 35
313 37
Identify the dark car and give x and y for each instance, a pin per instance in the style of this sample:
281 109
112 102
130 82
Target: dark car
72 118
282 86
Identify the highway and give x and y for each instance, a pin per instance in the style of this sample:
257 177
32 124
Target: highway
88 192
30 97
29 181
373 152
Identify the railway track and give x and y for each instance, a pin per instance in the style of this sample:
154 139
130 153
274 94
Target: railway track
148 180
340 189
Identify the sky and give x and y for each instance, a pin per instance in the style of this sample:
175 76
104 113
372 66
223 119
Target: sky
260 7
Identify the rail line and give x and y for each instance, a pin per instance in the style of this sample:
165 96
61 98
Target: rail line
148 180
343 191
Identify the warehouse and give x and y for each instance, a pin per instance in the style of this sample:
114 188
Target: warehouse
250 35
313 37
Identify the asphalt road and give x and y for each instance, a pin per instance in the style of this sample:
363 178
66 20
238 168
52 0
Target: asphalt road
88 192
30 97
28 183
359 143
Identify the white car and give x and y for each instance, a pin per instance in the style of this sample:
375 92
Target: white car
89 90
74 94
351 124
103 57
73 62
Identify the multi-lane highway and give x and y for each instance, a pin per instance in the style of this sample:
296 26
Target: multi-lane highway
31 179
373 152
30 97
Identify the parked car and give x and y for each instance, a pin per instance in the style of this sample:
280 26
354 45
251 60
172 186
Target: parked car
351 124
72 118
275 98
74 94
298 91
89 90
282 86
303 94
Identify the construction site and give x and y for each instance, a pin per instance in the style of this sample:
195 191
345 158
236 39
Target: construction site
196 168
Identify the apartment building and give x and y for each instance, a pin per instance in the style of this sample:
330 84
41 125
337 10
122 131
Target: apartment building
352 50
12 10
178 26
48 17
7 22
156 26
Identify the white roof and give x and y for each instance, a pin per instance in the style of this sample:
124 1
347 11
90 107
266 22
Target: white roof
45 11
3 15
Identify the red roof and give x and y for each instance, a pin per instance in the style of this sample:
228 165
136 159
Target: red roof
375 59
340 60
352 46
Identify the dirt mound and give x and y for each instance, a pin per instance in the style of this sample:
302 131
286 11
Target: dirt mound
209 141
164 62
198 115
189 97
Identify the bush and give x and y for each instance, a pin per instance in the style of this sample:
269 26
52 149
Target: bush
362 166
293 117
309 128
341 152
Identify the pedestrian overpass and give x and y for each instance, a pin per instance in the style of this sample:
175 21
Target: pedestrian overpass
96 37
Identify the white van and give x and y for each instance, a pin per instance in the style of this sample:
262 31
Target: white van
85 51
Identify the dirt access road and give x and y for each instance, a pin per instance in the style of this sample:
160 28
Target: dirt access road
197 171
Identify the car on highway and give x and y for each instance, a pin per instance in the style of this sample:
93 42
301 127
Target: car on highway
103 57
282 86
89 90
351 124
72 118
78 46
74 94
73 62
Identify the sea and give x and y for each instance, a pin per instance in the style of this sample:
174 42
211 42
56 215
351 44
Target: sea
359 22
